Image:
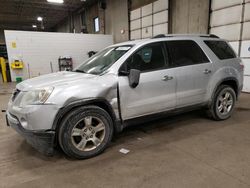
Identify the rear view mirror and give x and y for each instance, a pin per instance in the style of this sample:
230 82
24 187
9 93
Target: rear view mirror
134 77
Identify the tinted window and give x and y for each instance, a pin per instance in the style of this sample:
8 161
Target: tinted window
150 57
221 49
186 53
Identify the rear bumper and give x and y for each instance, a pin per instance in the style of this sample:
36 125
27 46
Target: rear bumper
42 140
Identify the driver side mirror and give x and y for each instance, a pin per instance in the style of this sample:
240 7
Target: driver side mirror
134 77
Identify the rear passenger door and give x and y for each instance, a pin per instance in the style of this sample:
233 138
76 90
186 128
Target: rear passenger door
193 71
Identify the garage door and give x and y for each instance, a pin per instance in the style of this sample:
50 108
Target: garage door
231 20
149 20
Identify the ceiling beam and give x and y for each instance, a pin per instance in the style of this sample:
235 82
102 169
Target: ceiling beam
42 5
21 23
20 27
18 14
48 18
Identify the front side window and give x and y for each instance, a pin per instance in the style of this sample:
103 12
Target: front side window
221 49
101 61
185 52
148 58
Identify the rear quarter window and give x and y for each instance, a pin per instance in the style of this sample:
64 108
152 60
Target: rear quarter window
221 49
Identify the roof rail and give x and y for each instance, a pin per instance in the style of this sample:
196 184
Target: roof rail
183 35
159 36
213 36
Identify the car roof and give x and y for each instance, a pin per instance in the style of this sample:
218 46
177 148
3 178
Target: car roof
169 37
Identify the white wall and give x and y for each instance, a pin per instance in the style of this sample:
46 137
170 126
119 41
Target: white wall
38 49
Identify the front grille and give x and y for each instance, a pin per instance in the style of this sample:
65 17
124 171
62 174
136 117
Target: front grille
15 93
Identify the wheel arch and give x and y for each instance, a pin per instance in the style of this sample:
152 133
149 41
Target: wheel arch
102 103
230 81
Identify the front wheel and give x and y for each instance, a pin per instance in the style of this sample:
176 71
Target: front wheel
223 103
85 132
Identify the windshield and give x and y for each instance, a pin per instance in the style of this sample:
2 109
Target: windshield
100 62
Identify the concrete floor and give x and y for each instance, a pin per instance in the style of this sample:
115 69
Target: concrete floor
187 150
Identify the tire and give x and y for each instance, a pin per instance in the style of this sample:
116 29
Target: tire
85 132
223 103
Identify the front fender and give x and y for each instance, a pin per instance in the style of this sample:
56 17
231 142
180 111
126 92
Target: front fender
101 102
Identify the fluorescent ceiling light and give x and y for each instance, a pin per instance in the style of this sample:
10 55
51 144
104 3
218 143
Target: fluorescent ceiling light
39 18
55 1
34 26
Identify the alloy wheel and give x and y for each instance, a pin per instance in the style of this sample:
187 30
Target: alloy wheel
225 103
88 133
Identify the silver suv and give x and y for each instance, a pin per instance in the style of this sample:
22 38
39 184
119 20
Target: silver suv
137 80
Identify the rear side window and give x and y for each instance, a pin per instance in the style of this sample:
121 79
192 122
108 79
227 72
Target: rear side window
221 49
186 52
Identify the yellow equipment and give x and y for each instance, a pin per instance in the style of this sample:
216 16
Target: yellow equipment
3 67
17 64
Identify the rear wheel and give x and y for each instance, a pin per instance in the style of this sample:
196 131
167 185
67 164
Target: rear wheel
223 103
85 132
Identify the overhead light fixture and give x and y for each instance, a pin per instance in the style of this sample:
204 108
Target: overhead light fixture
34 26
39 18
55 1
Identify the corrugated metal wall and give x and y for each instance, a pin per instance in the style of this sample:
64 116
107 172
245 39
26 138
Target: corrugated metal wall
231 20
149 20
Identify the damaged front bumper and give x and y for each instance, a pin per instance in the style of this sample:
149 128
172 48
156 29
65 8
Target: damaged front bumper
42 140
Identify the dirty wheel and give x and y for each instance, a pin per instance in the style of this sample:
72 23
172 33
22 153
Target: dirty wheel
223 103
85 132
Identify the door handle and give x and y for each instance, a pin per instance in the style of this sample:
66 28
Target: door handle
166 78
206 71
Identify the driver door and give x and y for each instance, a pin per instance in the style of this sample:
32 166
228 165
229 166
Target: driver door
157 85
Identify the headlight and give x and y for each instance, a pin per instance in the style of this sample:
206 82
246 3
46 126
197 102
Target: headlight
38 96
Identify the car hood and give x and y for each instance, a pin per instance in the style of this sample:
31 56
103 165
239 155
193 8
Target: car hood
57 79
